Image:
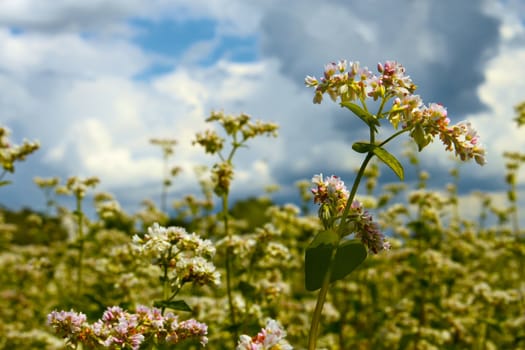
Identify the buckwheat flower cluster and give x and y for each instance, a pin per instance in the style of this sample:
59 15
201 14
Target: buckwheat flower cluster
77 186
197 270
242 247
331 193
241 127
221 177
70 325
9 153
185 253
348 82
271 337
244 124
366 229
427 122
120 329
466 142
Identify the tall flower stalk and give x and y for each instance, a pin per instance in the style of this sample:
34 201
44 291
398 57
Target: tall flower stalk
332 255
167 146
78 187
240 129
9 153
48 186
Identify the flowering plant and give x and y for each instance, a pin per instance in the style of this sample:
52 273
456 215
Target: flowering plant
120 329
332 255
416 296
182 257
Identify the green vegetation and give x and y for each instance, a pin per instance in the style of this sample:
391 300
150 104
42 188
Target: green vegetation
443 281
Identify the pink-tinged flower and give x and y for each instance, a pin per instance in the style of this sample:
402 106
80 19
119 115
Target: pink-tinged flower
329 70
464 140
191 329
271 337
112 313
66 322
394 79
348 81
135 341
246 343
407 111
367 230
344 80
330 193
438 114
71 326
310 81
124 330
151 316
425 123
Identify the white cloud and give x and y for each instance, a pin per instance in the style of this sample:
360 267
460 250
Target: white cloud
502 91
98 156
72 16
69 55
78 94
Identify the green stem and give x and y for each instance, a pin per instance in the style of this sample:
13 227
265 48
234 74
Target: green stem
229 266
80 239
392 137
166 282
321 297
164 190
514 212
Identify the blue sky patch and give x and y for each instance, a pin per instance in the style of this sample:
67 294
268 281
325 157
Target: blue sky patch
172 40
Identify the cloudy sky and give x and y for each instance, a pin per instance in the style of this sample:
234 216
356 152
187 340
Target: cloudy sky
93 81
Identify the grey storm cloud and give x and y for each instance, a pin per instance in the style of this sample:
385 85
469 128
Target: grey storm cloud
443 44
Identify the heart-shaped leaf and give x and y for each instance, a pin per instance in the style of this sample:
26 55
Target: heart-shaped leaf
317 259
349 255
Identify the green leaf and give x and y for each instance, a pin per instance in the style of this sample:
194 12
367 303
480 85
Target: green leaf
360 112
390 160
365 116
4 183
173 304
418 134
317 259
362 147
349 255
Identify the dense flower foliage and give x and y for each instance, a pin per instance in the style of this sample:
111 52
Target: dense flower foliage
450 280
